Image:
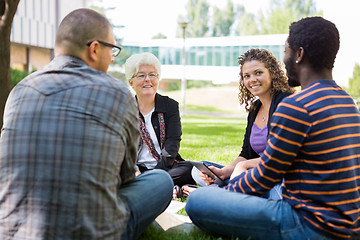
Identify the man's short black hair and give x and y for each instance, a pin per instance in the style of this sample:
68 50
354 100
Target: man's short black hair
318 37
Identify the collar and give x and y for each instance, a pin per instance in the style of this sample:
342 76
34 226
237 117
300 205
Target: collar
323 81
160 105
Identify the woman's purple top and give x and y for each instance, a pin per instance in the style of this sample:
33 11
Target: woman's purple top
258 139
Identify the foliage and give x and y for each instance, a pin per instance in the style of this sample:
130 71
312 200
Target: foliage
223 20
276 21
159 36
354 82
17 76
247 22
197 11
284 12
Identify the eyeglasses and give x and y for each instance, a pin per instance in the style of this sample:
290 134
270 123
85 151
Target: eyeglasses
115 49
142 76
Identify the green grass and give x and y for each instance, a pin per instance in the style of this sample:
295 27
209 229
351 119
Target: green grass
205 108
153 232
204 139
211 138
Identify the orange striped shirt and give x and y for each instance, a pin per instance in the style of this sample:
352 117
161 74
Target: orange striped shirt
314 145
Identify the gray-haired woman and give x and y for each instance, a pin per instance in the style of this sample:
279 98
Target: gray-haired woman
160 125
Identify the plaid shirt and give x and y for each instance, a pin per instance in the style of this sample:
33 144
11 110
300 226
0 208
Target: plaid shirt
68 143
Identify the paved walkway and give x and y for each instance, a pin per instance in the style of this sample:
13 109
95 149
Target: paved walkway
169 220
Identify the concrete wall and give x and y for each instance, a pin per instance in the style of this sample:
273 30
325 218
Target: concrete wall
34 29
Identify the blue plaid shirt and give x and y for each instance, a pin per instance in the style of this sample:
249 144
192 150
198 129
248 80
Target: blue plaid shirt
68 143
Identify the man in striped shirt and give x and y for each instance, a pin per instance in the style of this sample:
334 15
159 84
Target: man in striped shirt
313 148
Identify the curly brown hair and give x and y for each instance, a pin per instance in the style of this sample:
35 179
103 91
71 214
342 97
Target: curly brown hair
278 78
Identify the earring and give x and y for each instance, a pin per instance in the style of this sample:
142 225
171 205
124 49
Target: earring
297 61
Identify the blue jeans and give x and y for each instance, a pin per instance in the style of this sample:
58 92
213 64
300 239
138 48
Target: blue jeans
275 193
231 214
148 195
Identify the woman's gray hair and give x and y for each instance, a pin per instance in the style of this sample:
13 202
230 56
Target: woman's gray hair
133 63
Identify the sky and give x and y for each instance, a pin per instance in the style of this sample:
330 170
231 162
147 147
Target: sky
142 19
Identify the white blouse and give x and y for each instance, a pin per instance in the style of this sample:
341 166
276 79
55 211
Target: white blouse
145 157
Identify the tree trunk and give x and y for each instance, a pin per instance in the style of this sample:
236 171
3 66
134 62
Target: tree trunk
7 12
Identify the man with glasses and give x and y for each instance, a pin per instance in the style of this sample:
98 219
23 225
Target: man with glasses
68 146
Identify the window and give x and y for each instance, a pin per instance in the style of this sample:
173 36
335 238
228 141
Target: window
209 56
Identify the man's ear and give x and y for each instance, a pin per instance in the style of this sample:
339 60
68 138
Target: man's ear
93 51
299 55
131 82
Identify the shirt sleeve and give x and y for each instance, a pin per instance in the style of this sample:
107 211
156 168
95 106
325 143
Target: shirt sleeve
289 129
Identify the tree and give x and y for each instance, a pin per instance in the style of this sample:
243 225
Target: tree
7 13
197 14
284 12
354 82
223 20
247 23
159 36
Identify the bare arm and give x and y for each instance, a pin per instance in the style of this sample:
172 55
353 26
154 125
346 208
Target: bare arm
243 166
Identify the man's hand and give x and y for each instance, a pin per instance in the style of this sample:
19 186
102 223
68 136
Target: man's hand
243 166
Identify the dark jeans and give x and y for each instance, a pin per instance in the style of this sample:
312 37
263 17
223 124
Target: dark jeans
180 173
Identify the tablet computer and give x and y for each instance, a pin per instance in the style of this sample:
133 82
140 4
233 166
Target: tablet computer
205 169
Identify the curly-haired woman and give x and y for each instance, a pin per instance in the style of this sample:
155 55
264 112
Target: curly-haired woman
263 84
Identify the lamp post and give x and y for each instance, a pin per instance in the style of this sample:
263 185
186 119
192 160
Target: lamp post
183 25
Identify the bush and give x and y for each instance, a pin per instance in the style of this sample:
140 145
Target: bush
17 76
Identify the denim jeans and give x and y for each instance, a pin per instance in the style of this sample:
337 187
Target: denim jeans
148 195
275 193
231 214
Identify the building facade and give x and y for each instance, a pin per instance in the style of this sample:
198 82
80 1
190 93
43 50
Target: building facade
212 59
34 29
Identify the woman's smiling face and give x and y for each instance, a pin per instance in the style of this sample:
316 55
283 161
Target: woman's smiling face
148 85
256 77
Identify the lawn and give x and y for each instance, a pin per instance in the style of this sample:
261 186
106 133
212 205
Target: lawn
205 138
211 138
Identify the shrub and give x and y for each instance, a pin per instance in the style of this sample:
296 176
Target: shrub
17 76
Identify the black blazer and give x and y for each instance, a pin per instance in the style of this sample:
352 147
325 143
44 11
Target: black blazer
170 151
247 151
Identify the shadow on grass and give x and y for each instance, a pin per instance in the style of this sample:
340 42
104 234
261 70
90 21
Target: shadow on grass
153 232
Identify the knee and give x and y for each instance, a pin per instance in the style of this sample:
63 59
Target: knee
160 177
194 202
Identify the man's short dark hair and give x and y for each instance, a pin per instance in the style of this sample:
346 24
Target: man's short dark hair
318 37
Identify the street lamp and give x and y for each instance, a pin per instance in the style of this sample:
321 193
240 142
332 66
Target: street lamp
183 25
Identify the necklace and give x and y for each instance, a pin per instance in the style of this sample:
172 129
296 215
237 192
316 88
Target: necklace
263 115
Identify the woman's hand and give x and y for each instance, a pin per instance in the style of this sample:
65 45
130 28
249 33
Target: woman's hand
137 173
208 180
223 173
